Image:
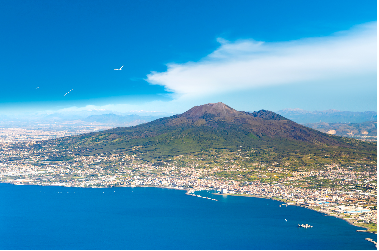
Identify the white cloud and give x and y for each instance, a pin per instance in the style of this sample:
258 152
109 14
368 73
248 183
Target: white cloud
248 64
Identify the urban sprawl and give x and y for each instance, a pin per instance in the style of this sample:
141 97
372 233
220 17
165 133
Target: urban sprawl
353 197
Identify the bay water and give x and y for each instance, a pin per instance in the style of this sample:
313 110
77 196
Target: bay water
48 217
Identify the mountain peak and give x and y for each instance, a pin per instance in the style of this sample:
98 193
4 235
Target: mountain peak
267 115
218 109
211 126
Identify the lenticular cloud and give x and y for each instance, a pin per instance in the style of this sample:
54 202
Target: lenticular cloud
248 64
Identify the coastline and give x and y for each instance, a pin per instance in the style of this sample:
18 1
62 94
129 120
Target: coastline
192 210
190 191
314 209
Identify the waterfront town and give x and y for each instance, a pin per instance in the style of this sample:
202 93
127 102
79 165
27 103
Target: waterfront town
349 193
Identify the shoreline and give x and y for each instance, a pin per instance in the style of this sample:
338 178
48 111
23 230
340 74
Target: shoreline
188 192
152 198
314 209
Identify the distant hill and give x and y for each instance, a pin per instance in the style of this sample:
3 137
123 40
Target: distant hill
100 116
119 119
328 116
218 127
364 131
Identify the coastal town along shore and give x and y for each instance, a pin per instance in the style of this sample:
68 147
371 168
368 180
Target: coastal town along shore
352 197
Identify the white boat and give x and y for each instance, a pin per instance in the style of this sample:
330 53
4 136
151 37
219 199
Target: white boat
304 225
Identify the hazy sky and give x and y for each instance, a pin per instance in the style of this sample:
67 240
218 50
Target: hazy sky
249 54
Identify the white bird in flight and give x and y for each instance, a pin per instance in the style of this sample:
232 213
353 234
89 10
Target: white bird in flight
68 92
119 69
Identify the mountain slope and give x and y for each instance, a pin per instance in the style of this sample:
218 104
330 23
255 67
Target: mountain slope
216 127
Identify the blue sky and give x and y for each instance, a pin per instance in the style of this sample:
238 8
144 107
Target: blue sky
251 55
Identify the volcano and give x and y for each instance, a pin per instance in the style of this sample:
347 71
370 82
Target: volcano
208 127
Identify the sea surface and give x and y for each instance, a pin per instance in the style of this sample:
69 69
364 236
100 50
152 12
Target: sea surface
37 217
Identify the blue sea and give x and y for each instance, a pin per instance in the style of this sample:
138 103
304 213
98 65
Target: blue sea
36 217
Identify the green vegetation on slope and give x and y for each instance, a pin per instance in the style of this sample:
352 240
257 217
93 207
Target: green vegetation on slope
263 136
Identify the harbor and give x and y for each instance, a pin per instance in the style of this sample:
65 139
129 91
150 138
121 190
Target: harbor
192 193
